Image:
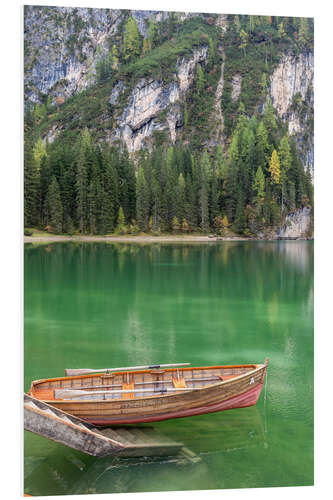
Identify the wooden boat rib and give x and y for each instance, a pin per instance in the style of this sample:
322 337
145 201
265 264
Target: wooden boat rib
152 395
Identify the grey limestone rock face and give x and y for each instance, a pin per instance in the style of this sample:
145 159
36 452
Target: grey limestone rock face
296 225
62 46
149 98
295 75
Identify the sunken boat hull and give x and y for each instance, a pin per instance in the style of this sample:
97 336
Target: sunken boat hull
205 390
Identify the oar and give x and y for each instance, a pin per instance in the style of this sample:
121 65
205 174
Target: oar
72 393
83 371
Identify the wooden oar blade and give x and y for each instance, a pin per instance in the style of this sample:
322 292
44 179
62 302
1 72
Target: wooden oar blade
71 372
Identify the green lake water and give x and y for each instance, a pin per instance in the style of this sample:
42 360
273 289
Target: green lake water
101 305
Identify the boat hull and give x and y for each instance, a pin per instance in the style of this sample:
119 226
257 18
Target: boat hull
249 398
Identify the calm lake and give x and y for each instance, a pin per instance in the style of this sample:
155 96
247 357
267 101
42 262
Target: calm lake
101 305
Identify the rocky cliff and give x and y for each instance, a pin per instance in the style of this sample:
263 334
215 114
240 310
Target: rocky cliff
297 224
61 48
149 98
291 91
64 45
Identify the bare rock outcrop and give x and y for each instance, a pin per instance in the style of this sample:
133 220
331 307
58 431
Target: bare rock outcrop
296 225
149 98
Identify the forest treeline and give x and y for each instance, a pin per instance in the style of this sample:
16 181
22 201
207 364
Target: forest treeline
98 189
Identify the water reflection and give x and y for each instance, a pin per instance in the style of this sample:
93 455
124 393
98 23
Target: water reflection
100 305
229 433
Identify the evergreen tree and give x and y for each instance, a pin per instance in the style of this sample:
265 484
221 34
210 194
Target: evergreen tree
81 184
31 186
262 147
121 222
214 199
211 53
53 209
285 164
204 195
180 198
152 34
142 201
131 41
270 122
110 195
259 188
240 217
44 182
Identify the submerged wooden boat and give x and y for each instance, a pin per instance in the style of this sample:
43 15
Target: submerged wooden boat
152 395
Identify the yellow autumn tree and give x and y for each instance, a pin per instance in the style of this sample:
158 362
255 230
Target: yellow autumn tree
274 168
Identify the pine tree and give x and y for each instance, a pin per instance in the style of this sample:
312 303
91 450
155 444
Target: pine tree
110 195
213 199
44 182
152 34
211 53
269 120
53 209
81 184
131 42
259 187
31 186
262 147
240 217
121 223
285 164
180 198
204 166
190 205
247 157
142 201
231 183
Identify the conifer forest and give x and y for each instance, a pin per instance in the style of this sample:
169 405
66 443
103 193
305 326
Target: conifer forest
231 163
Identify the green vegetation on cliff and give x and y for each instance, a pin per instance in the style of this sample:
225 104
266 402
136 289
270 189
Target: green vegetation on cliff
248 182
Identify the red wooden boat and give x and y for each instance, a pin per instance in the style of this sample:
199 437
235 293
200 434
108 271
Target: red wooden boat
125 396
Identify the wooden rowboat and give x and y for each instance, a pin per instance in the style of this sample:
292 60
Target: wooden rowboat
152 395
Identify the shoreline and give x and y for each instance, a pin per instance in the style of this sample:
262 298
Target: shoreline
143 239
130 239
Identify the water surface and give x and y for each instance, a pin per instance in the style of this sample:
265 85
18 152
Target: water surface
102 305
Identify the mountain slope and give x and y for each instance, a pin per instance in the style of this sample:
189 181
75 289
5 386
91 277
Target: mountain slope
145 80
